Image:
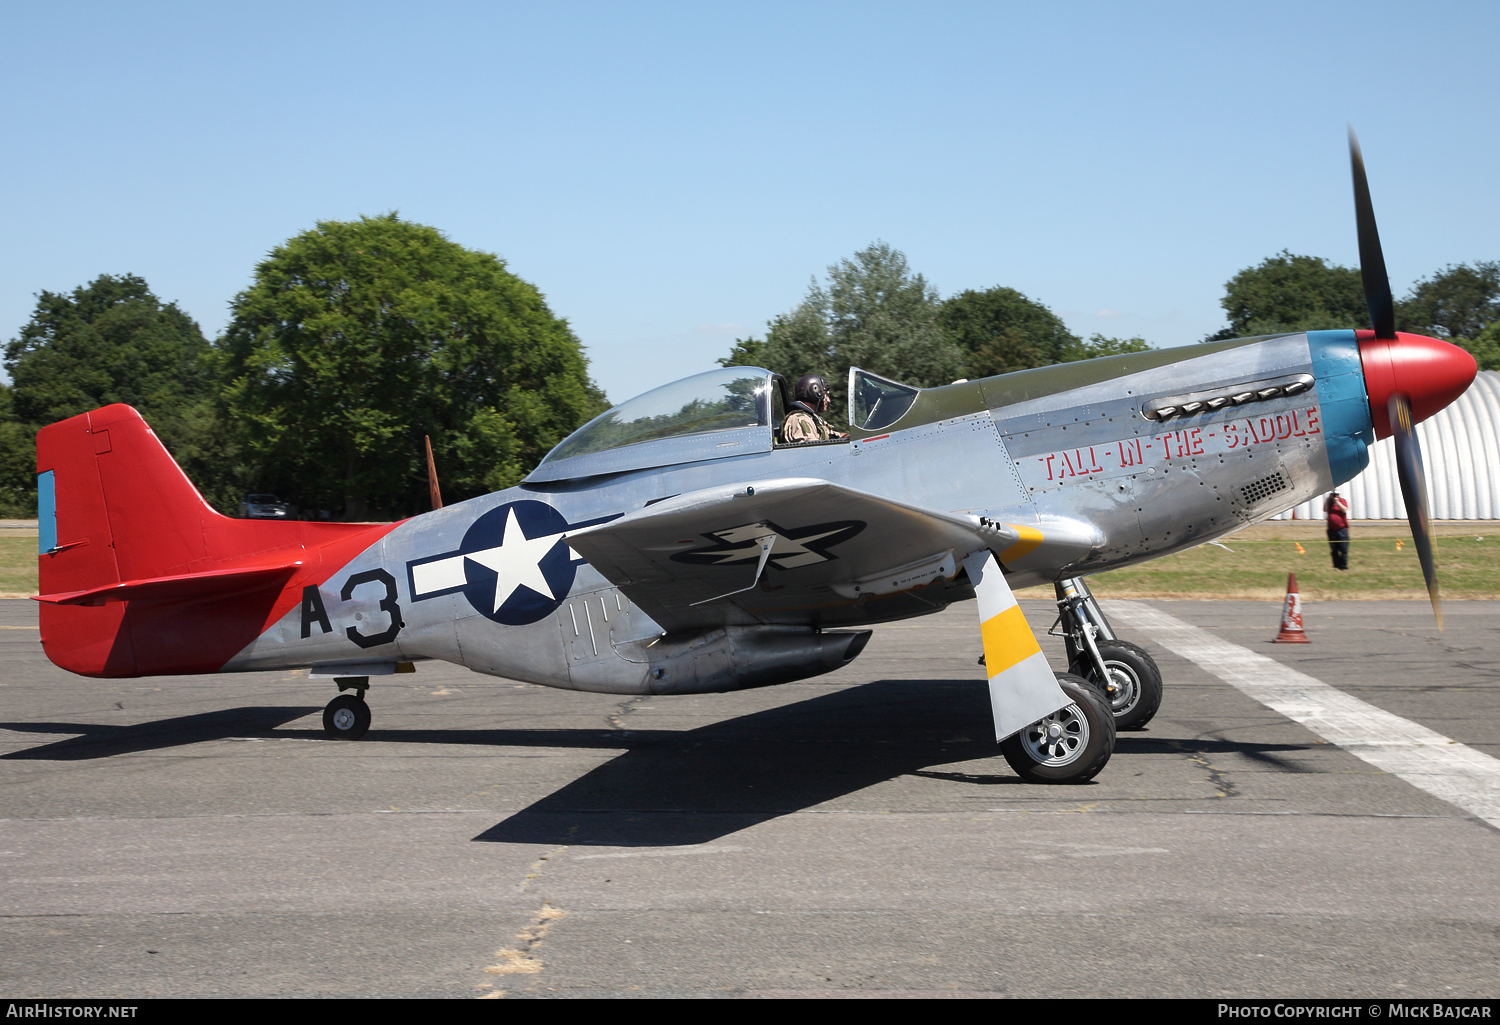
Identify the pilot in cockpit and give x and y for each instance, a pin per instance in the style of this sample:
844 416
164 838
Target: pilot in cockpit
805 423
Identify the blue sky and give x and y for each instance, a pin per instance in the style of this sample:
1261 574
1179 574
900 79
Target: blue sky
671 175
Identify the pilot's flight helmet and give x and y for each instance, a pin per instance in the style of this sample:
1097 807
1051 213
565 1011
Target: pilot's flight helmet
811 389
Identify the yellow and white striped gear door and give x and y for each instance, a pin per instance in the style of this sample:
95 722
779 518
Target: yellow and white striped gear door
1023 687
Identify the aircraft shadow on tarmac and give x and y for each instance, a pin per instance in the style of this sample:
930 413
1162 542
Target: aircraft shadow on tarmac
684 787
95 740
695 786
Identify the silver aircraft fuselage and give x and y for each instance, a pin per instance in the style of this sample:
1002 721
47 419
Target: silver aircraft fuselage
1089 467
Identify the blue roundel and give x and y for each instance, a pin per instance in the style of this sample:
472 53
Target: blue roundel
488 538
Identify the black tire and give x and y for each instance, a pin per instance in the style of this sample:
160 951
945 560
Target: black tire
1076 749
347 717
1142 652
1134 690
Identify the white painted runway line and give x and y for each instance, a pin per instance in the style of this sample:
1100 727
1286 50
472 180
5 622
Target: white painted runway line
1422 757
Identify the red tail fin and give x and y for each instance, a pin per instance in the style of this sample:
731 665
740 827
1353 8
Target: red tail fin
138 574
123 508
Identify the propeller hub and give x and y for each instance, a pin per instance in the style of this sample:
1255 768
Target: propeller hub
1430 372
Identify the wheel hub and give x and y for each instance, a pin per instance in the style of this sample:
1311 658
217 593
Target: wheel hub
1122 688
344 719
1059 739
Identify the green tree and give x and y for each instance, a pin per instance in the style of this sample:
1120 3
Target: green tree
1000 331
1485 348
112 340
873 313
357 338
1458 302
1292 293
17 460
881 316
1099 345
747 352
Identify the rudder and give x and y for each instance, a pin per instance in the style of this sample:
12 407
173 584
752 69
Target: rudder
121 508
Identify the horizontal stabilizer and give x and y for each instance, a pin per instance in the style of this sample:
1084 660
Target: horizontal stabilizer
186 585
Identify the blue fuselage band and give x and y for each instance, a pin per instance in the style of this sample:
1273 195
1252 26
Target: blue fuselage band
1346 407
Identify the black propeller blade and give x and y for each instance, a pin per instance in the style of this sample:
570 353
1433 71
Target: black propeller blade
1409 468
1371 260
1413 477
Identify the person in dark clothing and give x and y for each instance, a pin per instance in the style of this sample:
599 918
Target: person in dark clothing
805 422
1337 509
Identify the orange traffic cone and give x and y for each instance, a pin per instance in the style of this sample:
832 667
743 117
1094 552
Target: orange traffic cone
1291 616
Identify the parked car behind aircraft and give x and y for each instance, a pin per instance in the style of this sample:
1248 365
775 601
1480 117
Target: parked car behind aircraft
266 507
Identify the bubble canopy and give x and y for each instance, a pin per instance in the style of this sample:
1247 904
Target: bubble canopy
719 413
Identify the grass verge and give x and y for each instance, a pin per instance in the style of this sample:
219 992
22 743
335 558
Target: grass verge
1254 563
18 565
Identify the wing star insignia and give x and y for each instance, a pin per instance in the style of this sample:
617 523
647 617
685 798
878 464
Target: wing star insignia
792 548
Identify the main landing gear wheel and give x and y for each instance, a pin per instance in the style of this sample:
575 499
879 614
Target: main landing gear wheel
1134 684
1068 746
347 717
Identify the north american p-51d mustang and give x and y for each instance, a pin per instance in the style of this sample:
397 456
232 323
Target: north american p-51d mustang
673 546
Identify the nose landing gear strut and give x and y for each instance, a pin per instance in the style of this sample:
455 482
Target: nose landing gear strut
1125 672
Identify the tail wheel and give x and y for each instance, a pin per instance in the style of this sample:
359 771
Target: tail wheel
1070 745
347 717
1133 688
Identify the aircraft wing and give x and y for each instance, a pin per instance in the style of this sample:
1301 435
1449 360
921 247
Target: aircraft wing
791 550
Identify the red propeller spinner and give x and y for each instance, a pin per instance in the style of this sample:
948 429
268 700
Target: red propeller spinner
1430 372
